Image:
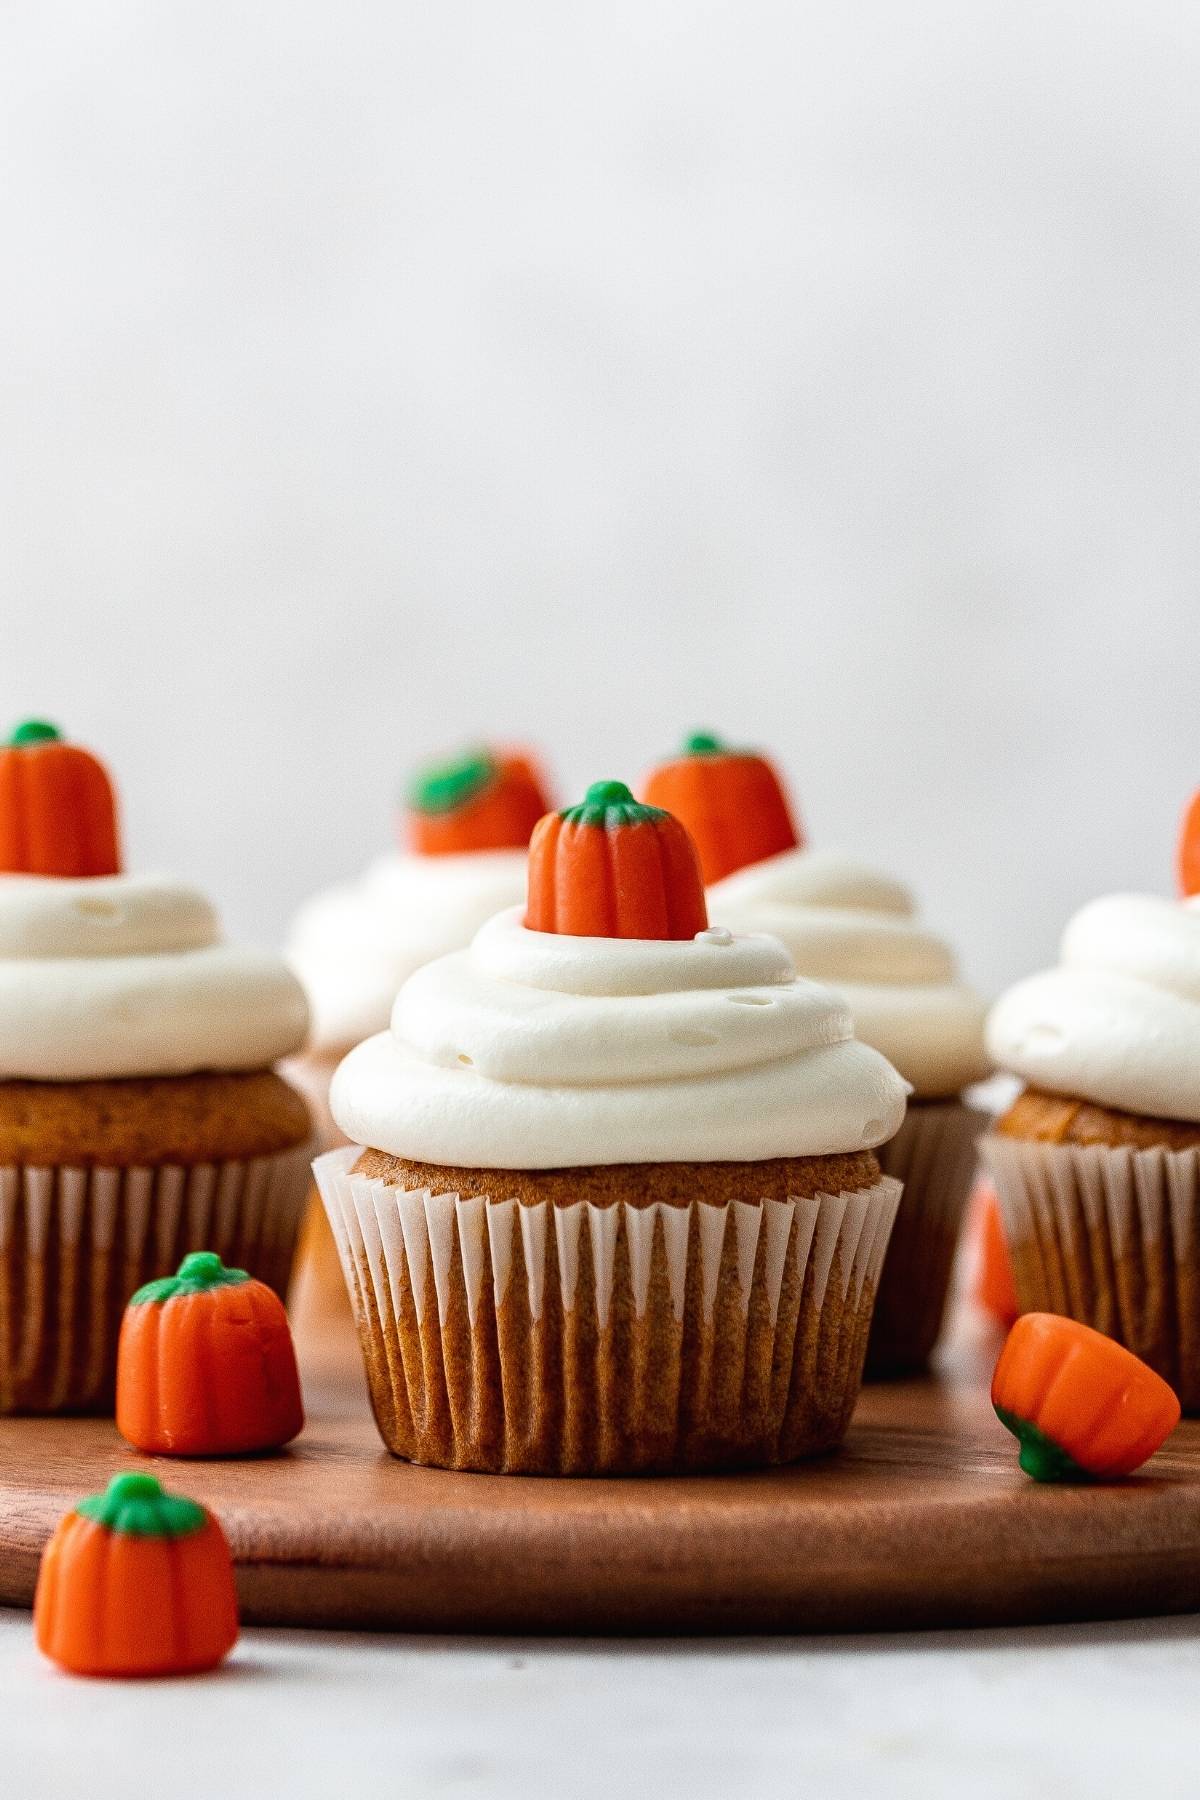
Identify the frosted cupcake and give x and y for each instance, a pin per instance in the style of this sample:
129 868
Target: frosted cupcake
848 925
1097 1162
612 1204
140 1117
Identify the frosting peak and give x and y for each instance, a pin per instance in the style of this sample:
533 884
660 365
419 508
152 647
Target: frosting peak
1118 1022
534 1050
849 925
108 977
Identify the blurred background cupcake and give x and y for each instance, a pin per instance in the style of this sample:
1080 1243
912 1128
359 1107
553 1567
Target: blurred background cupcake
140 1116
1097 1161
464 829
849 926
611 1203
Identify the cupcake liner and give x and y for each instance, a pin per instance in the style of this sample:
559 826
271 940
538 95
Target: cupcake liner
318 1302
1110 1236
934 1156
587 1339
75 1243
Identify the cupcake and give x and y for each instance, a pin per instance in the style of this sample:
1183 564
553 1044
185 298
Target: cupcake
1097 1161
140 1117
849 926
464 831
611 1203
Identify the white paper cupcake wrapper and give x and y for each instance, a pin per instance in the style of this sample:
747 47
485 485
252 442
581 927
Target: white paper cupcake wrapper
75 1243
1110 1236
464 1275
934 1156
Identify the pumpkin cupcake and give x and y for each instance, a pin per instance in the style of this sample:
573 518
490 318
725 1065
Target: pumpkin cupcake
849 926
611 1204
140 1117
1097 1161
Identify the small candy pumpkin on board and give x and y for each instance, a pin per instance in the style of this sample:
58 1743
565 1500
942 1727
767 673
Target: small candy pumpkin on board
611 867
136 1581
58 815
1188 854
1081 1406
486 800
206 1364
731 801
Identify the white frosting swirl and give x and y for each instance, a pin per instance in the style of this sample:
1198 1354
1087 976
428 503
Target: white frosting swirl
355 945
846 924
1118 1022
537 1051
125 975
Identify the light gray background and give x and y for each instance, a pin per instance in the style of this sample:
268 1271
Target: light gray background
378 376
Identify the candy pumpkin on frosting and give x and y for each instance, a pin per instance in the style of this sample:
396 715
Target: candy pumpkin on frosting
612 867
58 815
1188 856
136 1581
481 801
731 801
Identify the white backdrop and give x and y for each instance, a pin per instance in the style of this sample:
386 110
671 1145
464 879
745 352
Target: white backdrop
380 376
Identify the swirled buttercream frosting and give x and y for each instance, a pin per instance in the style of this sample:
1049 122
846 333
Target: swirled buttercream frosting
355 945
126 975
533 1050
1118 1021
847 925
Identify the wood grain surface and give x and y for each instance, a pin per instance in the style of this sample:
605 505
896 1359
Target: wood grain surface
923 1519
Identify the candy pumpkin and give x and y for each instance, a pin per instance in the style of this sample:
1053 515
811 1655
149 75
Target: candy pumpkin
483 801
58 815
1080 1405
611 867
136 1581
206 1365
1188 856
731 801
994 1288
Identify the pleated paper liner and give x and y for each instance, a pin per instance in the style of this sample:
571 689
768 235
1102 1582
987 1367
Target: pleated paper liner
1109 1236
75 1243
934 1156
318 1302
587 1339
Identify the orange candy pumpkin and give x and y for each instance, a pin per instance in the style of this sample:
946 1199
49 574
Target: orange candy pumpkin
994 1288
206 1364
136 1581
613 868
484 801
1188 855
731 801
58 815
1079 1403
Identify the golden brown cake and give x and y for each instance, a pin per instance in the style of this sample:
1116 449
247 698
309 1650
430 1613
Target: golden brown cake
1097 1162
615 1208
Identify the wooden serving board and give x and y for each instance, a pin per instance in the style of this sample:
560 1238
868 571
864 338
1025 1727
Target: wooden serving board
923 1519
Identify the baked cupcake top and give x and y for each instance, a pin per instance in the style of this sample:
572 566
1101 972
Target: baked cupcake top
465 827
842 921
105 975
640 1035
1118 1021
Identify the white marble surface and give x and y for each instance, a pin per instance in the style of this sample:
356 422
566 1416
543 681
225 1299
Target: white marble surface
1080 1713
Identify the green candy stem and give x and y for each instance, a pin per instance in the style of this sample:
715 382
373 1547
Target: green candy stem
202 1270
35 731
610 805
1041 1458
704 743
137 1506
447 786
